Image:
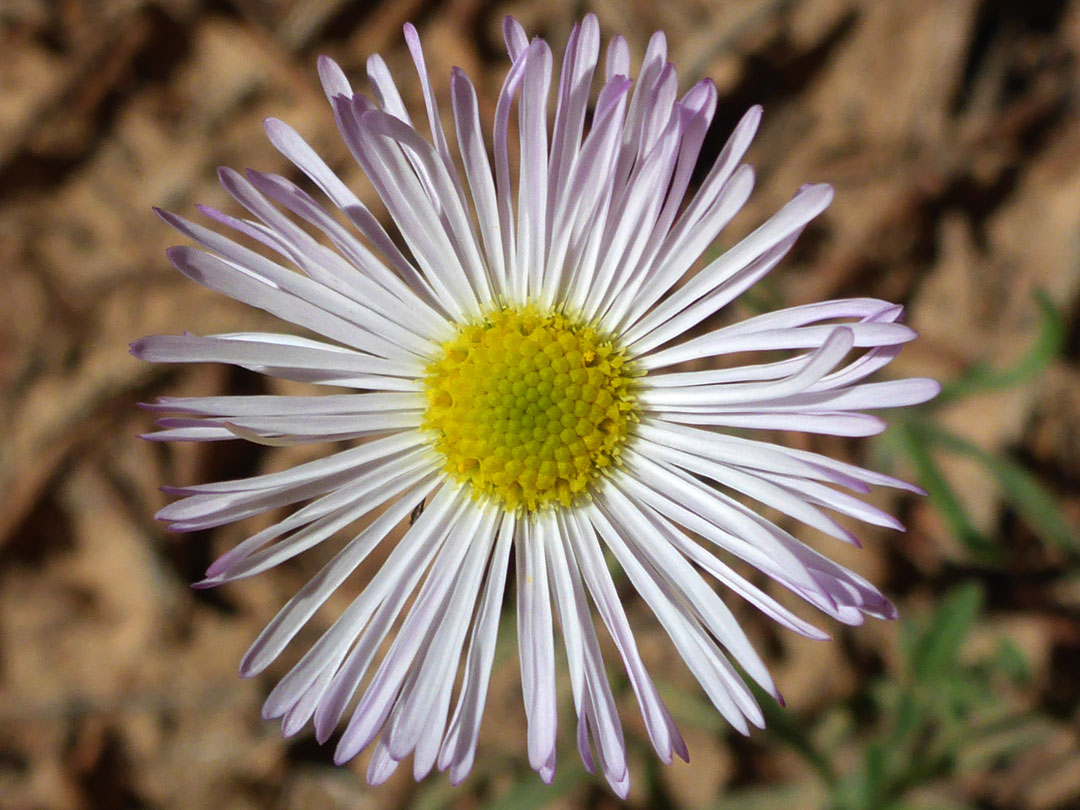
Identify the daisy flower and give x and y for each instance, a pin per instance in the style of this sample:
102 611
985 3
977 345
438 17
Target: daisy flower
515 349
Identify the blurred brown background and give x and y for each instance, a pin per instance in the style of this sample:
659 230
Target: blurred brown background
950 129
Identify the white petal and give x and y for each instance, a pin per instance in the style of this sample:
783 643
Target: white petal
351 488
732 450
517 41
375 704
791 219
385 89
533 180
424 703
459 745
412 40
632 220
708 562
381 766
536 645
273 405
593 692
704 660
707 606
478 173
320 530
281 292
270 351
298 610
568 276
651 66
515 287
457 226
320 263
414 209
832 350
712 207
617 62
217 500
409 204
719 519
397 576
287 141
578 66
719 343
375 284
751 484
580 538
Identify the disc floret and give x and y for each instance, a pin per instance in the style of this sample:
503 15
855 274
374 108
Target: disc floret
528 407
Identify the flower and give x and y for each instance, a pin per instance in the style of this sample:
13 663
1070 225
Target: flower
519 361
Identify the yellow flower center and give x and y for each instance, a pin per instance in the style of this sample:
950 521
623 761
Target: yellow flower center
528 407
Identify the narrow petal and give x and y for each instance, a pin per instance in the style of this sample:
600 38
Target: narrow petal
478 173
536 646
424 703
580 539
459 746
533 182
297 611
378 699
593 697
707 606
777 231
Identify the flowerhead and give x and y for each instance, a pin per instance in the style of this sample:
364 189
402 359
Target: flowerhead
513 353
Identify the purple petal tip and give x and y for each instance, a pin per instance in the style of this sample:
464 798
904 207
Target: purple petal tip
177 253
341 757
228 175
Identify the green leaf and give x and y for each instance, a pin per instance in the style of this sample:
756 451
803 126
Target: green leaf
1010 660
436 794
873 784
1035 506
785 726
792 794
1022 490
906 720
1023 733
934 652
1046 347
910 437
531 793
688 707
